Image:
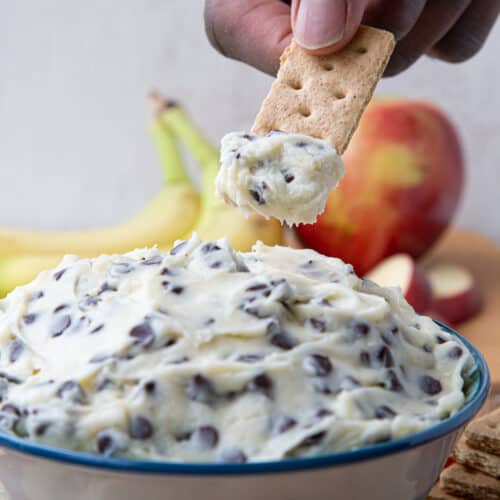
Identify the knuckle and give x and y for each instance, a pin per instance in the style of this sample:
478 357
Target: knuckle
212 19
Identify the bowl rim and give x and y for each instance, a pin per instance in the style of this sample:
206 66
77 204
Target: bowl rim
439 430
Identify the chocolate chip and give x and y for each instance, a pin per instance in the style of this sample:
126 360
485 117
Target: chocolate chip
209 321
364 358
393 382
140 427
323 412
97 329
28 319
384 357
300 144
283 340
15 350
216 264
59 274
106 287
455 352
242 267
178 361
150 387
256 288
60 308
430 385
384 411
321 386
153 261
318 324
313 440
41 429
103 384
257 195
209 248
289 177
440 340
166 272
106 443
283 423
175 289
427 348
234 456
248 137
71 390
206 437
60 325
36 295
122 267
12 409
9 378
99 358
88 301
317 365
179 247
238 156
360 328
199 388
249 358
143 333
261 384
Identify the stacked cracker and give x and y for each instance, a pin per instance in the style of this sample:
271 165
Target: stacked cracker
476 475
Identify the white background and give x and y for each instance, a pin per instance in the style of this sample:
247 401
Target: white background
74 147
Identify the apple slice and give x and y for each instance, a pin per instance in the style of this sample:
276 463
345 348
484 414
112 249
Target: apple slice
402 270
456 296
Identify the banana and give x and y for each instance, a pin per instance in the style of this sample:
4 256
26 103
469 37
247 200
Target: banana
21 269
169 215
217 219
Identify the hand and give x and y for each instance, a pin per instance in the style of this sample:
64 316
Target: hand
257 31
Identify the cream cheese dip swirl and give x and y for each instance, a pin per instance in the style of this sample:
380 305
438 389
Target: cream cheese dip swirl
208 355
281 175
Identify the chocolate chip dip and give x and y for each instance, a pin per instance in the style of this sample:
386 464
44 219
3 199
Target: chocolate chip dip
208 355
281 175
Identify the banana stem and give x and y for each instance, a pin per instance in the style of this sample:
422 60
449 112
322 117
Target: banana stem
177 120
174 171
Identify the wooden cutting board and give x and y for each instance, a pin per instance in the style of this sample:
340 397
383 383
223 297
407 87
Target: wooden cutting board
482 257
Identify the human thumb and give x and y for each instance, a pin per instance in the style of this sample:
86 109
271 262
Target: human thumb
326 25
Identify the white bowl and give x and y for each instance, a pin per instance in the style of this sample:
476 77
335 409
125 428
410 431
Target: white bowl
403 469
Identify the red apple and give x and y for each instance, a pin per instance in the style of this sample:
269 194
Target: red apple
404 176
402 270
456 296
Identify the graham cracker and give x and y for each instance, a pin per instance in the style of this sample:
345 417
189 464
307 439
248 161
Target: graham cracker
469 483
438 494
477 459
484 433
324 96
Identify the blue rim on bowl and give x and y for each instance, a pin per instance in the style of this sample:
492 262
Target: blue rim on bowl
476 393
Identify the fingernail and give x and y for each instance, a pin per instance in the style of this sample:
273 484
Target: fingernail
319 23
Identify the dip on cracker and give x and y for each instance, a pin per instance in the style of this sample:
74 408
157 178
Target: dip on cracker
315 103
286 176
